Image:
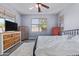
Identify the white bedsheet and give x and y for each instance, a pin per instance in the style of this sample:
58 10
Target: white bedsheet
56 46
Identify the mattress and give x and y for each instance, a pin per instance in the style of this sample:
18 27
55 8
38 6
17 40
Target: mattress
56 46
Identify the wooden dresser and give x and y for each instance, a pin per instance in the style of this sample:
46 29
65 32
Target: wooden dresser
24 32
8 40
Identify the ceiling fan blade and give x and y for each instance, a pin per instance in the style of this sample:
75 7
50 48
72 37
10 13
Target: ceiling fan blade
44 5
39 9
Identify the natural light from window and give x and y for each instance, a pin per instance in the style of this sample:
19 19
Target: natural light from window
39 24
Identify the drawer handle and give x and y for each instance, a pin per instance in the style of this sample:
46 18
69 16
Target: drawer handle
11 35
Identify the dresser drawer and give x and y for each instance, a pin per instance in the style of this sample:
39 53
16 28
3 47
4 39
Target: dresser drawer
8 41
7 36
7 46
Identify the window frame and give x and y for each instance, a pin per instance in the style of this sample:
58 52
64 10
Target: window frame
37 24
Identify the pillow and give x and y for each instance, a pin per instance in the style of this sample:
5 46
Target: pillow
75 38
70 36
65 36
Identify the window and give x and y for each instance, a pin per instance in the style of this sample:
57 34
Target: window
39 24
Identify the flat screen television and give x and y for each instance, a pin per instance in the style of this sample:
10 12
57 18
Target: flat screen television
10 26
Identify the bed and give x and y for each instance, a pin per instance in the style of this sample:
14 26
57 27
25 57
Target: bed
65 45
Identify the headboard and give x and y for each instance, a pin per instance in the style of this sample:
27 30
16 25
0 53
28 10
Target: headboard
71 32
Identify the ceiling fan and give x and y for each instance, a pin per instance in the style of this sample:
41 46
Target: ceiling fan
39 6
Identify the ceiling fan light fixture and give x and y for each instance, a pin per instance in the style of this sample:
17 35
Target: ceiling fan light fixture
36 5
39 5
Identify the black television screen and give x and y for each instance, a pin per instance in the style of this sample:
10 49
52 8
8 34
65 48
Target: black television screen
10 26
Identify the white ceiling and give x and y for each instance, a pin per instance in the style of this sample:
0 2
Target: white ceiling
54 8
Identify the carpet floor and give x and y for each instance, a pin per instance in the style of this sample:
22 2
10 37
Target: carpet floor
26 49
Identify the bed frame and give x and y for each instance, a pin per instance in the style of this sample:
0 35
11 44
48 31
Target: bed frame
70 32
66 32
35 47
